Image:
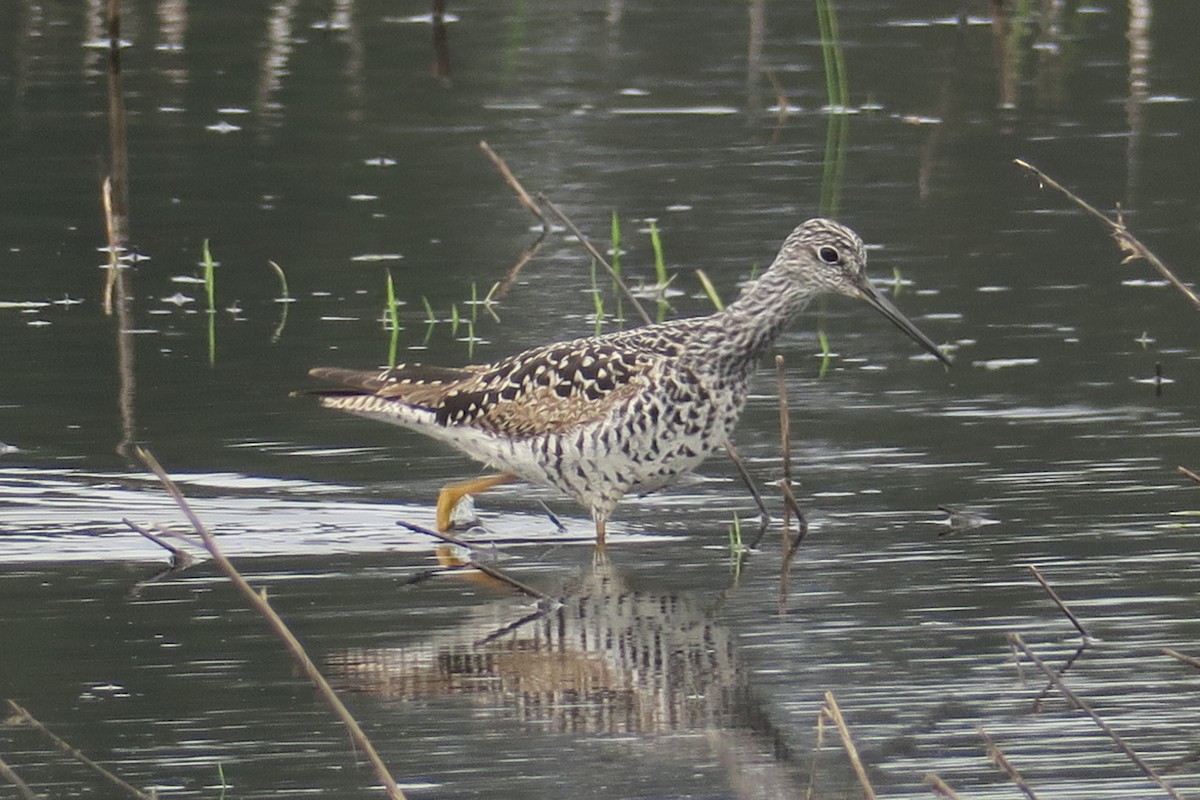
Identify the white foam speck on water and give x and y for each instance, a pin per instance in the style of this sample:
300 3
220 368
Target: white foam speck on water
1005 363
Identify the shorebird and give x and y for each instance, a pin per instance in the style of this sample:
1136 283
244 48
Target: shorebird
601 416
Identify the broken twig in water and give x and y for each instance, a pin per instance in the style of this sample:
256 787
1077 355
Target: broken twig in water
1189 660
785 485
1126 241
25 718
939 786
1187 473
180 558
258 601
1004 765
114 247
486 569
1016 641
1062 671
792 547
554 520
1058 602
23 790
528 202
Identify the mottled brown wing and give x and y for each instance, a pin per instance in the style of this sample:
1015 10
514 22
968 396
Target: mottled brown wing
547 390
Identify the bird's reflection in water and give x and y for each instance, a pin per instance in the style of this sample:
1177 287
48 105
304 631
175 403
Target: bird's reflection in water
601 659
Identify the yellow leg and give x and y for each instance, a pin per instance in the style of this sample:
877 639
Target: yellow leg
449 496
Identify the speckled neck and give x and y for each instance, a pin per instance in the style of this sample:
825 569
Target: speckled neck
733 340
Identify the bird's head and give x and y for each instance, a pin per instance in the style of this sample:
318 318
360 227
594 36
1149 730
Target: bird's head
826 256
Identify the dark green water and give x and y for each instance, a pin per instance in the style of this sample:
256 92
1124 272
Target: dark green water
318 136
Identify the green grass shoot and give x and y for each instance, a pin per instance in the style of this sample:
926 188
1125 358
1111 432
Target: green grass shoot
837 85
826 353
283 284
597 300
662 281
285 299
430 320
710 290
615 241
737 551
210 279
474 302
660 264
837 89
489 302
210 288
615 249
896 280
392 319
454 320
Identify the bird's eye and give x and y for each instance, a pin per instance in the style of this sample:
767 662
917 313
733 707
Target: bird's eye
829 255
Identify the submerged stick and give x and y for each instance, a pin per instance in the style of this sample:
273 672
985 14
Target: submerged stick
1189 660
793 547
110 229
114 23
1019 643
834 713
258 601
180 558
1004 765
1126 241
523 197
1058 602
594 253
486 569
22 787
1187 473
26 718
939 786
1062 671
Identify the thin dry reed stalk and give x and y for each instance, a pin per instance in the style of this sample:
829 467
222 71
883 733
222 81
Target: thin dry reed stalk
594 253
1059 602
1004 765
1078 702
528 202
486 569
1189 660
23 790
1126 241
939 786
831 711
258 601
25 718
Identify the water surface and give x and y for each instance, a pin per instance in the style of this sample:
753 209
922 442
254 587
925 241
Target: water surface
340 143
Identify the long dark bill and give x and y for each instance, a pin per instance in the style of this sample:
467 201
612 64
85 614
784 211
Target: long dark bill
885 307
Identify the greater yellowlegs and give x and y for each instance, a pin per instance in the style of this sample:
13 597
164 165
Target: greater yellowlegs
602 416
